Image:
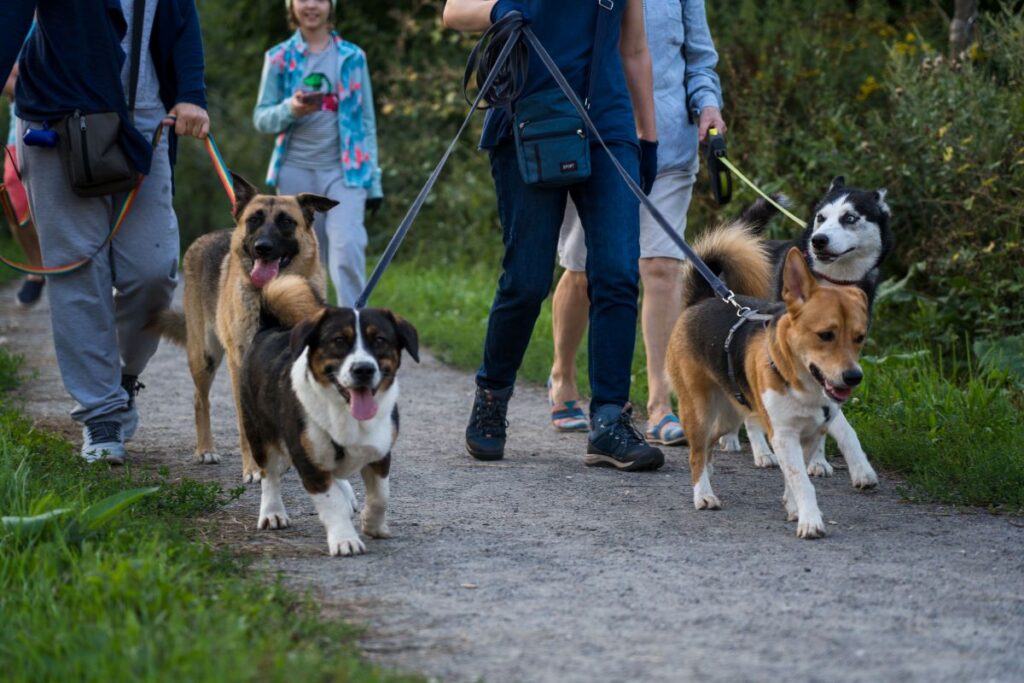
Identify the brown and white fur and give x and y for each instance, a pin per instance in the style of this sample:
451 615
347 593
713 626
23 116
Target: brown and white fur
223 273
322 394
794 372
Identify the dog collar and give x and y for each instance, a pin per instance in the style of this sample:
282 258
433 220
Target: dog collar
826 278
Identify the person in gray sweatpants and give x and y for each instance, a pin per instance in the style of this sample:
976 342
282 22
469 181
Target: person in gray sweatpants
100 311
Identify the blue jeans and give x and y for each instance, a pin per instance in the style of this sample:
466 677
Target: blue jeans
531 218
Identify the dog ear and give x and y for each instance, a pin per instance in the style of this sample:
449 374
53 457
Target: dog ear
301 335
880 200
311 203
407 336
244 192
838 183
798 282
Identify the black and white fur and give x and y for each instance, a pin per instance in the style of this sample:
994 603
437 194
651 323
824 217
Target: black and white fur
845 241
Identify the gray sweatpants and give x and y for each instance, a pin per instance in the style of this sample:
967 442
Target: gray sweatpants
341 231
99 311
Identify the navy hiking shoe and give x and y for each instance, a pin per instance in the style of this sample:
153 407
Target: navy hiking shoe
615 442
30 292
485 435
102 441
130 419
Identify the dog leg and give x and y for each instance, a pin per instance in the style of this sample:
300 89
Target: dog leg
818 465
730 443
203 365
272 512
799 489
250 470
378 489
704 497
862 474
334 506
763 456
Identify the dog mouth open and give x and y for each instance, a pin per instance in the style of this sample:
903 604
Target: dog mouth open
826 256
265 270
361 400
839 394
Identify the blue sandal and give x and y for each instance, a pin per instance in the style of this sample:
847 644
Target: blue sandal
668 432
567 416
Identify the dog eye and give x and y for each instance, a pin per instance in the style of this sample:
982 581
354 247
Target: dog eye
254 221
380 340
827 336
859 339
850 218
339 340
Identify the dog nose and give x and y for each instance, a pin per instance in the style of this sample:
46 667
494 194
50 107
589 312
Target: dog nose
263 247
852 378
363 372
819 241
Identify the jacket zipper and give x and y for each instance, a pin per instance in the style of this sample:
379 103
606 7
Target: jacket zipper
85 148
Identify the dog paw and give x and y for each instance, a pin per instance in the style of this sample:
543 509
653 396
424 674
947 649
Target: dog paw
864 479
376 530
819 467
208 458
811 526
276 519
251 477
706 501
730 443
792 514
765 459
345 545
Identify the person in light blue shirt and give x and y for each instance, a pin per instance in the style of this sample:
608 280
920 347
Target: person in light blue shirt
687 102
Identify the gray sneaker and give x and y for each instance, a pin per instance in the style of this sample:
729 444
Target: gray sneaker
102 441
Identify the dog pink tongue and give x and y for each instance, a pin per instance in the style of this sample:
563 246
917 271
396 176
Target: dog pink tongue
263 272
840 394
362 404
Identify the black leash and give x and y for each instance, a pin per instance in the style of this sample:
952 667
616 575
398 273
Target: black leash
507 33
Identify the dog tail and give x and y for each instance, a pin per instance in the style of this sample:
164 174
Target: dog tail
169 324
737 255
290 299
761 211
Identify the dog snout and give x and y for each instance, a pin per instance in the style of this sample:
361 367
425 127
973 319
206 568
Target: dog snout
263 247
363 373
819 241
853 377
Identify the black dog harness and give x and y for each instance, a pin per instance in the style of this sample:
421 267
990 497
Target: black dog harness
745 317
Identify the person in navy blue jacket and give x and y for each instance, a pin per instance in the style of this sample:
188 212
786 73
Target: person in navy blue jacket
77 60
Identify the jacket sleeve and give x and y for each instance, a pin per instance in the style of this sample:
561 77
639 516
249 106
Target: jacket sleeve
189 63
703 88
273 114
15 18
370 128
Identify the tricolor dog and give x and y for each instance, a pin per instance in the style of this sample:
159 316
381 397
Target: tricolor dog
319 391
793 371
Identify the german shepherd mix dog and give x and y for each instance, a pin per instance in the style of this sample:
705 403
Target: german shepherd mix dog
323 396
224 272
844 243
793 373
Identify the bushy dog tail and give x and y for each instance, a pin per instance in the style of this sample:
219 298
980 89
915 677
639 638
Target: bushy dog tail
737 255
761 211
290 299
170 324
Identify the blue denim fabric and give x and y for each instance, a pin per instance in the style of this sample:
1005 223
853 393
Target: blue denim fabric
531 218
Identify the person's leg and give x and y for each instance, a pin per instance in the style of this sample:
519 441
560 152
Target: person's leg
81 302
346 236
660 261
569 312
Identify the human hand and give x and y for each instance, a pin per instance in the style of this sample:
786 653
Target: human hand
710 117
503 7
648 164
373 205
303 105
191 120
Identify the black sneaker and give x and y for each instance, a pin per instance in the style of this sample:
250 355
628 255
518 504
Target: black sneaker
130 419
29 292
615 442
485 435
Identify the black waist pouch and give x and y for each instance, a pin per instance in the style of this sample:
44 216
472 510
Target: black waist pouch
93 157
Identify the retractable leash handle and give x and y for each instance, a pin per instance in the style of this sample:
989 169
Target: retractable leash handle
721 178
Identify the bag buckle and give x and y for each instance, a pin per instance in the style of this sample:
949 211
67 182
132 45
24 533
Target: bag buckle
607 4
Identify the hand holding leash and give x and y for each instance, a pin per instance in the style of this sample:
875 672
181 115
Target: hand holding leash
191 120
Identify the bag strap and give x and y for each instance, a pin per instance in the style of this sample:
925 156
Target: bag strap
604 13
138 16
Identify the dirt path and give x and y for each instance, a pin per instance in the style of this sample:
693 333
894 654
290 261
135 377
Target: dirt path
538 569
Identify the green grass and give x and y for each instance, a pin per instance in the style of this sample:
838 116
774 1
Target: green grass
449 306
9 249
138 599
959 440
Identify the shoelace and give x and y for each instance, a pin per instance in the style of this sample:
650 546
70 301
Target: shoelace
629 434
133 386
104 432
489 417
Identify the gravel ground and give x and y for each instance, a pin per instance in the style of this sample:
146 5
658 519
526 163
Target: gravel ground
539 569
